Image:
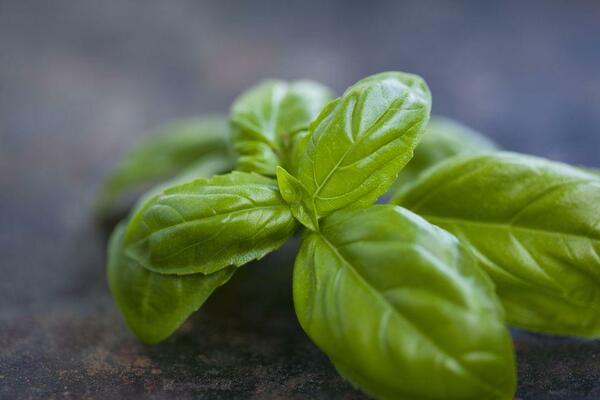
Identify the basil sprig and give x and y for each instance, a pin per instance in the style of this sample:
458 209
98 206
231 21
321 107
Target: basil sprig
403 308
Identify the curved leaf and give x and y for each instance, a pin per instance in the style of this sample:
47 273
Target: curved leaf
206 225
155 305
205 168
170 150
294 193
265 119
443 139
535 227
402 309
296 149
359 142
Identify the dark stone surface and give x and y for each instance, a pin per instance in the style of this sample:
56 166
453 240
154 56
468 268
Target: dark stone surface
81 81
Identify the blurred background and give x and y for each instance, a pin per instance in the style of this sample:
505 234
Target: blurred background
82 81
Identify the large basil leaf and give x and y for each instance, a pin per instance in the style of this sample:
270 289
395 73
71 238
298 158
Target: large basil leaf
535 227
155 305
402 309
207 225
443 139
358 143
265 119
170 150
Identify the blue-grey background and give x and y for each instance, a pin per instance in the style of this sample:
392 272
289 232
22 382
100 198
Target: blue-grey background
81 81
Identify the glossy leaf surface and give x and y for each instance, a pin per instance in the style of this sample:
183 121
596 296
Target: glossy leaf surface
402 309
207 225
207 167
535 227
359 142
265 119
155 305
171 150
443 138
295 194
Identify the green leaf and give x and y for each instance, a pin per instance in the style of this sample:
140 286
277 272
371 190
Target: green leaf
402 309
443 138
295 151
155 305
207 167
359 142
535 227
295 195
290 188
172 149
206 225
266 118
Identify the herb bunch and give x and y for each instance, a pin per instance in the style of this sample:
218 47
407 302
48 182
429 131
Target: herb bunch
409 300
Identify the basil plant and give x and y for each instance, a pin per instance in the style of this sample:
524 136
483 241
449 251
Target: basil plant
409 300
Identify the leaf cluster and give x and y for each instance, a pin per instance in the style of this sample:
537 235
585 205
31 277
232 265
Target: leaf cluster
409 300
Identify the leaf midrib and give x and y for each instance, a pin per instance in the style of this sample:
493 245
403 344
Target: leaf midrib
366 134
505 226
208 217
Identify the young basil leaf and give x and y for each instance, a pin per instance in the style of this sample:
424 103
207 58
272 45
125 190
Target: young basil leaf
169 151
359 142
443 139
155 305
402 309
207 225
295 195
265 119
535 227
